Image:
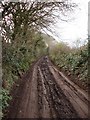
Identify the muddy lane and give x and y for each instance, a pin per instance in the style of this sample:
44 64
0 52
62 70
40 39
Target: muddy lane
59 104
42 95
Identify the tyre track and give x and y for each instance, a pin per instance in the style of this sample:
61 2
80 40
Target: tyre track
77 99
59 102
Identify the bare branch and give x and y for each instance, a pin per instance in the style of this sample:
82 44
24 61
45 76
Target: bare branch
39 14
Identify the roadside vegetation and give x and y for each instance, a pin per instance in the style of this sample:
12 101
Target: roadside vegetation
72 61
17 60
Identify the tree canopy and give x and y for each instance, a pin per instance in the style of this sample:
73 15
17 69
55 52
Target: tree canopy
18 17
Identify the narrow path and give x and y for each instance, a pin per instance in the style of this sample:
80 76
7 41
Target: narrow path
47 93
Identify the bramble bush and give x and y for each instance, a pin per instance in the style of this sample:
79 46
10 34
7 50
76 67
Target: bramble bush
74 61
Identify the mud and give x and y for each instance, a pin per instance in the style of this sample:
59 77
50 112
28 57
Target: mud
44 93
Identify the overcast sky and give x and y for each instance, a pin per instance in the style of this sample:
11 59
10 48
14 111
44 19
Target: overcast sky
77 27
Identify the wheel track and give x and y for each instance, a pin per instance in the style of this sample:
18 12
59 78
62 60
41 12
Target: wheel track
56 95
46 112
76 99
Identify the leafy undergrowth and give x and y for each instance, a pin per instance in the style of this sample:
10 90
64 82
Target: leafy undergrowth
73 62
5 98
17 60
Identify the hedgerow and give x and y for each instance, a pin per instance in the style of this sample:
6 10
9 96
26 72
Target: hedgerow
73 61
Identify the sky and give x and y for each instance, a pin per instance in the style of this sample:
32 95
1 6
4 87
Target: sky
77 26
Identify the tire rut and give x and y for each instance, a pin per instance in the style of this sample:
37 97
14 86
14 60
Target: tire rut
59 102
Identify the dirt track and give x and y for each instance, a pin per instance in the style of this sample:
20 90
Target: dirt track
45 92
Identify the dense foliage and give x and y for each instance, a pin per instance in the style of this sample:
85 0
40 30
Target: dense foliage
73 61
17 60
